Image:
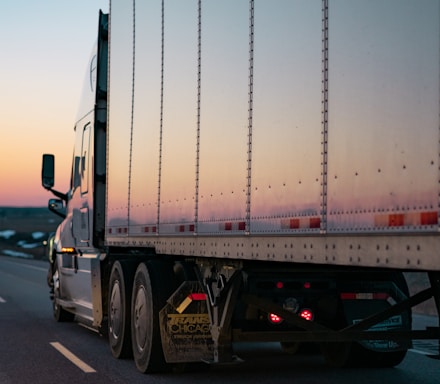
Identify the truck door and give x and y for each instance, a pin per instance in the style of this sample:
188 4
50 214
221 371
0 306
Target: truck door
80 214
77 272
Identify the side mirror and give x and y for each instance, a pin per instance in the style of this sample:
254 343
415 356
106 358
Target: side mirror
48 171
56 206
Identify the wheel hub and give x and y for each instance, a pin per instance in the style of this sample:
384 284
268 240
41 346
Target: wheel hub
115 311
140 314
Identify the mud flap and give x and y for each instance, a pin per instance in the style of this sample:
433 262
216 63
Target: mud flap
357 310
395 323
185 325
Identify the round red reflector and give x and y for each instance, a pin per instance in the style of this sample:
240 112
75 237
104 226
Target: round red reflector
307 285
306 314
274 318
280 285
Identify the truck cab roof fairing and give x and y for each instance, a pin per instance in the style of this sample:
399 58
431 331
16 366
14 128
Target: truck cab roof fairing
87 101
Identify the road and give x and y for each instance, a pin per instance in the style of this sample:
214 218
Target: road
35 349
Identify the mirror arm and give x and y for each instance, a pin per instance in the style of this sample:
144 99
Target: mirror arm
62 196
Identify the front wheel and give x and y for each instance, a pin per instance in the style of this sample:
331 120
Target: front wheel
120 285
59 313
152 286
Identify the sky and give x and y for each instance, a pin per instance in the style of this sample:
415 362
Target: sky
44 50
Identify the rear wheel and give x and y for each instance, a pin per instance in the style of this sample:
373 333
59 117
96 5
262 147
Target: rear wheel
119 313
291 348
365 358
356 355
59 313
153 284
298 347
336 354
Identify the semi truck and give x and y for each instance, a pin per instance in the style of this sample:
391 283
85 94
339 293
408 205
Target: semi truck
253 171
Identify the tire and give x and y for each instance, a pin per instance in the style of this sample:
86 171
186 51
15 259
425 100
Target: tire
119 313
299 348
184 271
337 355
390 359
356 355
291 348
153 283
59 313
363 357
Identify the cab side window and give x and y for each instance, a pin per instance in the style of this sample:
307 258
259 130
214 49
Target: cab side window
81 160
85 155
76 174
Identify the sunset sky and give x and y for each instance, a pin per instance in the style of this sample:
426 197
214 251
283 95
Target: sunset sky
45 46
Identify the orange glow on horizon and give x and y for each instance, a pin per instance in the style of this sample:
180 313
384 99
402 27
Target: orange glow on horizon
44 56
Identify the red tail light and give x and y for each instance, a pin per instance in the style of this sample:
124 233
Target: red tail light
306 314
274 318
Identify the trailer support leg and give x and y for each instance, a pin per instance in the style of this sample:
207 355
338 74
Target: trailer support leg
222 294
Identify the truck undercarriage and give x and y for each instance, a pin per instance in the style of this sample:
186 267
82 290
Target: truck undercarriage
166 312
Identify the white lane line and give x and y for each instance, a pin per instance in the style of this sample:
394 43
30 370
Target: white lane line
2 300
36 268
70 356
419 352
25 265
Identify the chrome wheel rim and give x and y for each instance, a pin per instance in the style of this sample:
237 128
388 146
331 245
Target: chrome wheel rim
115 311
140 316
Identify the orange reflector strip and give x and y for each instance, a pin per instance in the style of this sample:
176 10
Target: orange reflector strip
429 218
198 296
233 226
184 304
396 220
364 296
301 223
68 250
409 219
189 299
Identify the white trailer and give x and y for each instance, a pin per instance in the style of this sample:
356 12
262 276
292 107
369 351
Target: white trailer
254 170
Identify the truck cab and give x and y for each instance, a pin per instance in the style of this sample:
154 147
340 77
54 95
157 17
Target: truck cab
75 243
